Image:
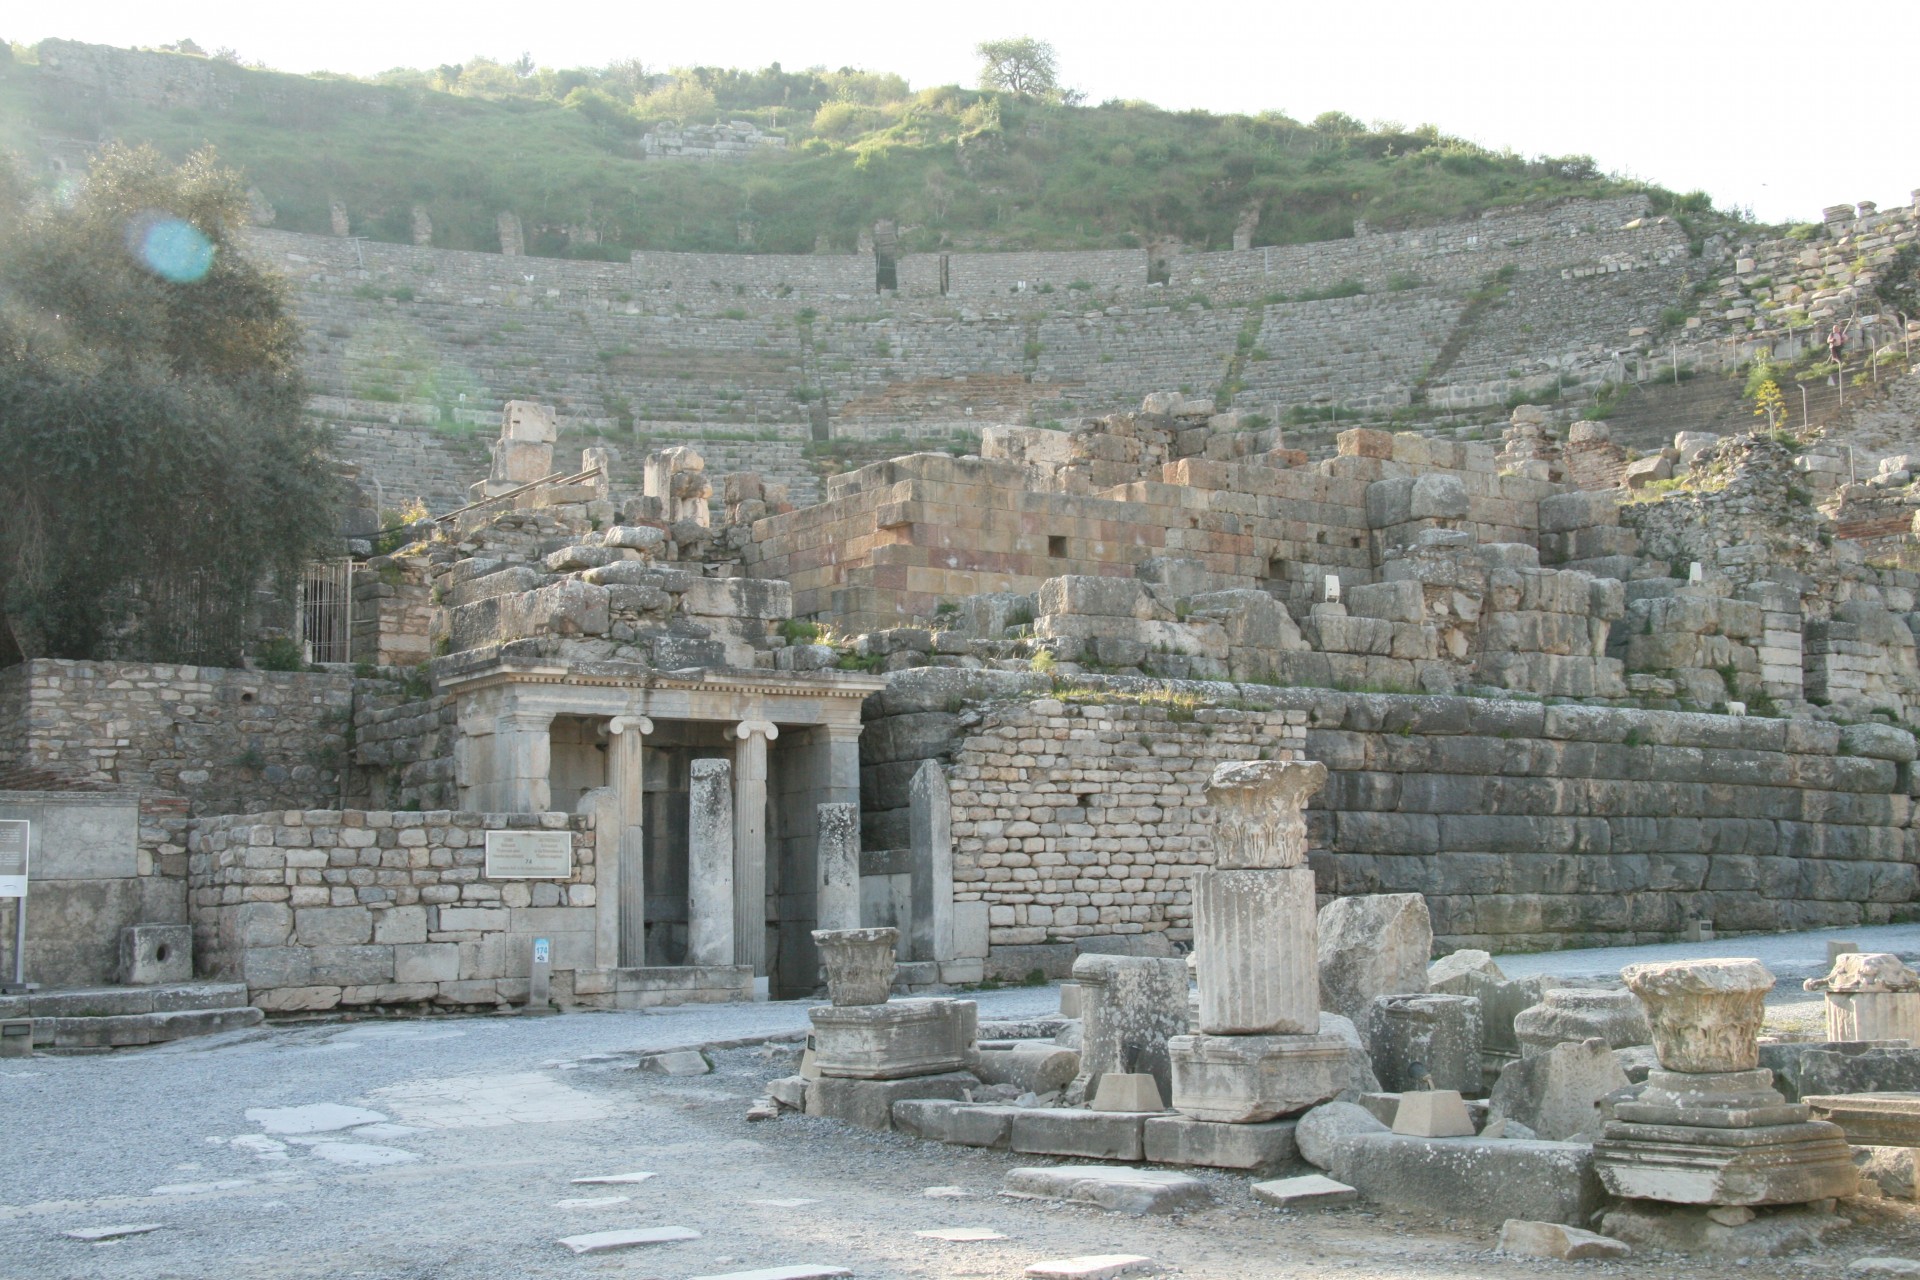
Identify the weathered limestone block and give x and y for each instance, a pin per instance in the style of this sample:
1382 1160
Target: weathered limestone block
894 1041
1129 1007
1316 1132
1705 1014
1557 1092
859 964
837 826
1184 1140
870 1103
1371 946
1426 1042
1487 1180
1569 1015
1029 1066
1248 1079
1871 1119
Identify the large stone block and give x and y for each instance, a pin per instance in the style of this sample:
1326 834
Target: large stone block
1774 1164
869 1103
1249 1079
332 926
1557 1093
155 953
1871 1119
1068 1131
1487 1181
1185 1140
1569 1015
959 1124
1129 1007
1371 946
892 1041
1426 1042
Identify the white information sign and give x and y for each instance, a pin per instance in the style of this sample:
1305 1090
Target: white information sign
529 855
16 835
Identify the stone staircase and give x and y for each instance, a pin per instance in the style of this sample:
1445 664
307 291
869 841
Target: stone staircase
119 1017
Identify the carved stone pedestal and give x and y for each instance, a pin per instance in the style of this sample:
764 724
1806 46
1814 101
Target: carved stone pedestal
894 1041
1248 1079
1710 1128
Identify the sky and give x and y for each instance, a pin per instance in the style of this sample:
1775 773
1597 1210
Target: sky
1755 102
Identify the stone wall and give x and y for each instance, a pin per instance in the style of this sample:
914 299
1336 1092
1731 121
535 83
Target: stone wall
1527 826
223 739
320 909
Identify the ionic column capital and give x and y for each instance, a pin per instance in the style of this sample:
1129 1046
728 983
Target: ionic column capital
640 725
747 728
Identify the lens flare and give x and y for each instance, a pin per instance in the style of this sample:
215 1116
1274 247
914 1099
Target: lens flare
171 248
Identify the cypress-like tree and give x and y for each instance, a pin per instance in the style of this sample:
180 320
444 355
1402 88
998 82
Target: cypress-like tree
156 468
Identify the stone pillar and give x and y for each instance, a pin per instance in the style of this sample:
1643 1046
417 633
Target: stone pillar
750 843
710 887
1254 914
523 760
1258 1053
843 764
626 775
837 905
930 832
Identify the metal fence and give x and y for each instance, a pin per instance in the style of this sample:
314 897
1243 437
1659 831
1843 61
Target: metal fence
326 611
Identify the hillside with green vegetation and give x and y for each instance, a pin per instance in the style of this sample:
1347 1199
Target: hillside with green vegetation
952 167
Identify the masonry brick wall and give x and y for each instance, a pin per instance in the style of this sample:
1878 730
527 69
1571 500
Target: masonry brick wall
222 739
319 909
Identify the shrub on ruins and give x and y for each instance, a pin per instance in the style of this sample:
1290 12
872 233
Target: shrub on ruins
157 470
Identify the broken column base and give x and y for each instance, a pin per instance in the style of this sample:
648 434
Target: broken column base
1723 1232
1249 1079
894 1041
869 1103
1781 1164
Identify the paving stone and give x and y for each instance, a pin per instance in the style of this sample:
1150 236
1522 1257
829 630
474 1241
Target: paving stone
1883 1267
607 1241
681 1062
1120 1189
612 1179
1093 1266
591 1202
961 1235
1557 1240
796 1271
1064 1131
112 1233
1309 1191
318 1117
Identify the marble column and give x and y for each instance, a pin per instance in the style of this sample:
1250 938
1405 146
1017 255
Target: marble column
523 761
843 764
1258 1053
837 905
710 895
750 843
626 774
1254 914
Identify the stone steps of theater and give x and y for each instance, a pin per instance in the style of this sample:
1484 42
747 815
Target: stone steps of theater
124 1016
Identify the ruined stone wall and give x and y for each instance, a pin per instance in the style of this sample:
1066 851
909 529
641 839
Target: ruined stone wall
1527 826
320 909
1570 233
223 739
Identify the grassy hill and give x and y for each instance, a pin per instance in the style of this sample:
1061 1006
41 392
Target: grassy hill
954 168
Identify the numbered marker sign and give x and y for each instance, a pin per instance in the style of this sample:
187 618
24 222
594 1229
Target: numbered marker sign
15 837
542 951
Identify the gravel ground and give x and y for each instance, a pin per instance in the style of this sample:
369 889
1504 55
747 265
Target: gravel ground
483 1122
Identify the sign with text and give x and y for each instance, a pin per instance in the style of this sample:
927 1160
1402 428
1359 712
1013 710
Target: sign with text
529 855
16 836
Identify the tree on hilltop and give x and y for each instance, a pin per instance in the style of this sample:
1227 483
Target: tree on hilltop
156 464
1022 66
